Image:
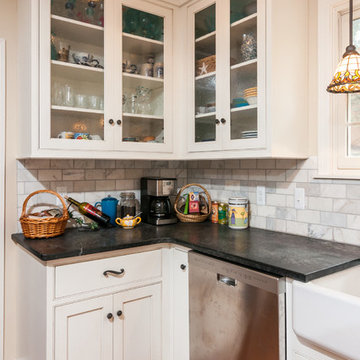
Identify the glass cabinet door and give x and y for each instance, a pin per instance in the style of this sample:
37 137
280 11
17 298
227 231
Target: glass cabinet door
246 73
76 74
144 66
203 113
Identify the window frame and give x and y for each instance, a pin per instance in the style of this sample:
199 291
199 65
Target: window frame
332 109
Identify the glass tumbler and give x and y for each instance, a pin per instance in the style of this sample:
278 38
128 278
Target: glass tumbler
81 101
94 102
68 95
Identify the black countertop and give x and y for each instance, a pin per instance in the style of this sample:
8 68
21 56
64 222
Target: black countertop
297 257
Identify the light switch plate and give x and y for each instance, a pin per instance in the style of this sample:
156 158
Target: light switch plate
260 195
299 198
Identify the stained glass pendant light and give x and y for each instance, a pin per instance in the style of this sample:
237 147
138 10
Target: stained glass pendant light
347 74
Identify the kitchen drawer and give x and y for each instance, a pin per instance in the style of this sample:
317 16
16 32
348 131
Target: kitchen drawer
88 276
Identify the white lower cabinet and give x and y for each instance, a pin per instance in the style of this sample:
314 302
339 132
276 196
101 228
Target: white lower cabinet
137 324
123 326
130 306
82 330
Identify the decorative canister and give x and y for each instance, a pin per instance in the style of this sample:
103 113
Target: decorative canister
238 213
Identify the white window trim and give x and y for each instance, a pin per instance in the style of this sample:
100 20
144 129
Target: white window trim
2 191
331 133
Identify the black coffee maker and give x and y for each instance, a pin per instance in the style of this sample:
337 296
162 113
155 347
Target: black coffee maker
155 200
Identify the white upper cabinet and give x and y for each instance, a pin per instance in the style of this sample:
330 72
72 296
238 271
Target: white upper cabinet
225 79
100 79
248 86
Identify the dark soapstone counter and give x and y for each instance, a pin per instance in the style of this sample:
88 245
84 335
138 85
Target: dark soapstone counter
281 254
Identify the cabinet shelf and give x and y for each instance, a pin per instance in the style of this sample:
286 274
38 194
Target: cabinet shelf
200 77
243 64
248 19
134 44
75 109
143 116
201 116
77 31
244 108
134 80
77 72
205 37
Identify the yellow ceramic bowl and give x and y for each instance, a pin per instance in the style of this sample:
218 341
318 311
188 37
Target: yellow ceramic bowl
128 222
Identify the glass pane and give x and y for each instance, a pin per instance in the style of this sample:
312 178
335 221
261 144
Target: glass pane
354 111
77 70
205 77
240 9
354 141
143 24
205 128
143 77
136 129
205 21
243 73
91 12
205 95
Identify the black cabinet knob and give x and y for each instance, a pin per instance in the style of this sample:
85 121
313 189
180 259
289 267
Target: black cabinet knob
111 121
118 122
109 316
119 313
182 266
217 121
223 121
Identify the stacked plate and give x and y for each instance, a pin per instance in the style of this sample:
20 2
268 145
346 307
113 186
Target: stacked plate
249 134
250 95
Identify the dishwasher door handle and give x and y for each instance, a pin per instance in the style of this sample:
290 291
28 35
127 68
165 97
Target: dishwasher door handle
226 280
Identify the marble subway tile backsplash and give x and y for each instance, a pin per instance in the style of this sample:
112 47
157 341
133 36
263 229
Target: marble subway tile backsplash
332 207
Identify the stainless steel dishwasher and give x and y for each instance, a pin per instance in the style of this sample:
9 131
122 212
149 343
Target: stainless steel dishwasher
235 313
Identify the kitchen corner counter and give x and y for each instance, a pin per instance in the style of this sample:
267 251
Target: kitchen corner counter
281 254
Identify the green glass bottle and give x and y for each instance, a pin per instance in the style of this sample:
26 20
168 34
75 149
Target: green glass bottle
90 211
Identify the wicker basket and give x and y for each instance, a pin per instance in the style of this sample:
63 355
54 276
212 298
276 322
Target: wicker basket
206 65
43 228
192 218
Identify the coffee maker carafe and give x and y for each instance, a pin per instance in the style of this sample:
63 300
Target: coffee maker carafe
155 201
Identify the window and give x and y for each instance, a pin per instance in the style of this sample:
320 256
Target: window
339 115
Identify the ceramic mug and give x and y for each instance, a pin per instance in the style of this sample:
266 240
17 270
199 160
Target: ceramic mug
109 207
128 222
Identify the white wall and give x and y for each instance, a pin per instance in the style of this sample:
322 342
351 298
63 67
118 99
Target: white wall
2 188
8 31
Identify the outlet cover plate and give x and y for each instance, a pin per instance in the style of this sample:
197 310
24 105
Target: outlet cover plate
260 195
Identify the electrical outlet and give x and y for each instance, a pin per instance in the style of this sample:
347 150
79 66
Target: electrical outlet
260 195
299 198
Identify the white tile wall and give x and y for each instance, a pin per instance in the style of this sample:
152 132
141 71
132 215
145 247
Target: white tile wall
332 207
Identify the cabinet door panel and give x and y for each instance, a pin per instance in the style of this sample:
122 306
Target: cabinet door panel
137 331
83 331
76 75
245 75
181 305
203 111
146 65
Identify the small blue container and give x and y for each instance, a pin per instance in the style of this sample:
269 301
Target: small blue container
109 207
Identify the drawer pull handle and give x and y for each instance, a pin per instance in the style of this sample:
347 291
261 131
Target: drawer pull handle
119 313
182 266
226 280
109 316
106 273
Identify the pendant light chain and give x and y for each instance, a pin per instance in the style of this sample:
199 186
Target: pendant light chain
351 22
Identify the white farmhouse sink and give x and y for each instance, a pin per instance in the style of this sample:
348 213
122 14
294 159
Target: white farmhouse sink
326 312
